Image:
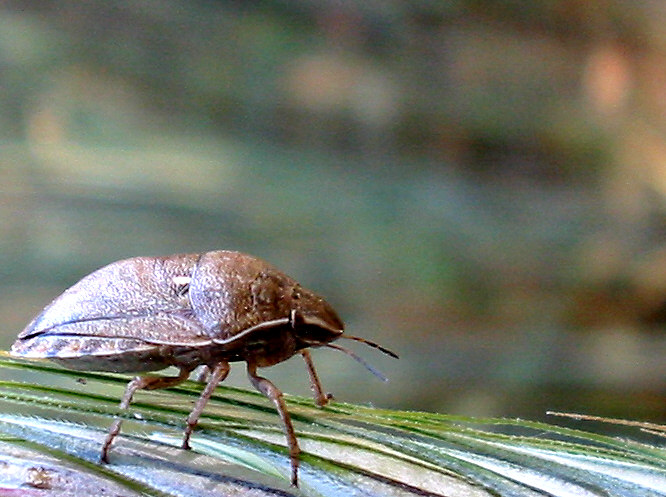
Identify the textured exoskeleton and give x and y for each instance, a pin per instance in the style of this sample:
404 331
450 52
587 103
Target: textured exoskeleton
148 313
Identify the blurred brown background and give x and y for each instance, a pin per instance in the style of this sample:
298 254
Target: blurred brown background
480 186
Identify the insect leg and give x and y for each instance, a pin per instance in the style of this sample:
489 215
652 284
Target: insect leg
202 375
320 398
218 374
140 383
273 393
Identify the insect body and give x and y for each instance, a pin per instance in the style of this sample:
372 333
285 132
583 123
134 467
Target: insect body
148 313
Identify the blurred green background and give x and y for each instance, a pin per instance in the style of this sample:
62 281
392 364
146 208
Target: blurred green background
477 185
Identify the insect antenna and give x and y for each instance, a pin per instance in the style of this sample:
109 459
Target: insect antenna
371 344
359 360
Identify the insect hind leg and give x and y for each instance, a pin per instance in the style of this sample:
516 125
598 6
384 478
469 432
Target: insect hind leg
140 383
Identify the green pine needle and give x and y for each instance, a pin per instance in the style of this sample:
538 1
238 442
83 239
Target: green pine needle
54 425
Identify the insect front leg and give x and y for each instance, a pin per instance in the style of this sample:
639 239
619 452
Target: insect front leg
140 383
273 393
320 398
218 374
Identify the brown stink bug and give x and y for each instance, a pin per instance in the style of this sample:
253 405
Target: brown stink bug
148 313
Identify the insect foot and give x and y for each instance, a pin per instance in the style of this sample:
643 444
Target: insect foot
149 313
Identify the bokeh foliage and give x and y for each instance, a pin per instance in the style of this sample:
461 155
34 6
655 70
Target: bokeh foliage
478 185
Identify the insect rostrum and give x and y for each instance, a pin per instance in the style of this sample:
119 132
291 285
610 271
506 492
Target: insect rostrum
148 313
